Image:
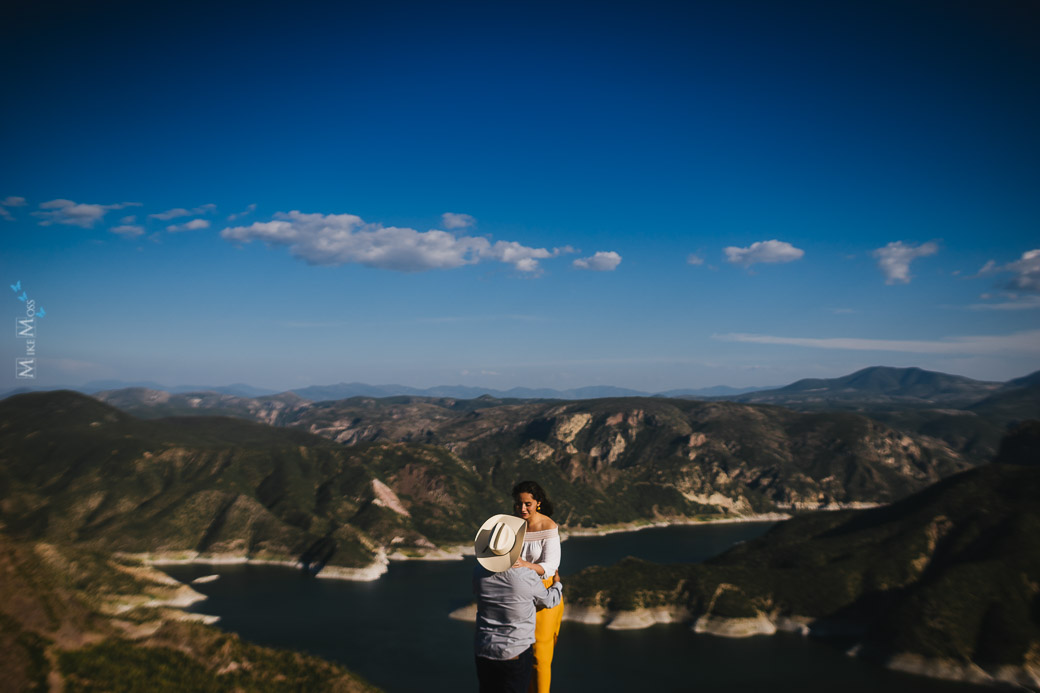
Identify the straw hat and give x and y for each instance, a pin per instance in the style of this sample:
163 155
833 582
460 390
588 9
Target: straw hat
499 541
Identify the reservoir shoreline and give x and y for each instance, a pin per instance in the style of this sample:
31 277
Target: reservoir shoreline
450 552
278 608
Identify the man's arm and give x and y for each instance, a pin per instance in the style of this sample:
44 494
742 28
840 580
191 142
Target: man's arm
546 598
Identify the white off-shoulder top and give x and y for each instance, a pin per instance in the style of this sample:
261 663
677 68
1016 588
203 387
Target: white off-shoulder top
543 548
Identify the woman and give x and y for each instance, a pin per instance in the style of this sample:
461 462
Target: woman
541 553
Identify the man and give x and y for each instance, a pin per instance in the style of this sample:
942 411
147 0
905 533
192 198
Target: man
507 598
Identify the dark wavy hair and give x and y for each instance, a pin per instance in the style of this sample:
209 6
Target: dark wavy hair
532 487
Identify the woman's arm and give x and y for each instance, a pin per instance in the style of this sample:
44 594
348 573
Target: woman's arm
551 553
521 563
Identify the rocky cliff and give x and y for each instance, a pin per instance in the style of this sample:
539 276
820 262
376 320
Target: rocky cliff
616 460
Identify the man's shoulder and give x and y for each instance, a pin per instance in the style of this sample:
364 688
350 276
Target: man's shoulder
519 576
484 575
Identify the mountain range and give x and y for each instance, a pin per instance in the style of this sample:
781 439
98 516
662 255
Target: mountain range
880 385
345 483
339 485
318 393
870 388
967 416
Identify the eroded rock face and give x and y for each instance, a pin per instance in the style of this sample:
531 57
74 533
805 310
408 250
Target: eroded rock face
386 497
736 506
644 618
568 427
734 627
537 450
418 481
617 447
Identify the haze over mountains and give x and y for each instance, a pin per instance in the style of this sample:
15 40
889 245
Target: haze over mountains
874 386
318 393
967 416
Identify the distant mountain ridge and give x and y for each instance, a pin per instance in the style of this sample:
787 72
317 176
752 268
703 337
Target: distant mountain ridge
96 386
876 385
880 385
319 393
969 416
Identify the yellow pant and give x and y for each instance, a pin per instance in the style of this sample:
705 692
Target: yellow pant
546 631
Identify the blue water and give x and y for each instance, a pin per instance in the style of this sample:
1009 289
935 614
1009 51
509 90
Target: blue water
396 632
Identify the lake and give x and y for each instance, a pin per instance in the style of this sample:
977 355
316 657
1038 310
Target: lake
396 632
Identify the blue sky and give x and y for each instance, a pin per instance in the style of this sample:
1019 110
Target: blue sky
648 195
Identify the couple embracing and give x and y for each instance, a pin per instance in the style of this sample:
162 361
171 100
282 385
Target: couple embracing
519 595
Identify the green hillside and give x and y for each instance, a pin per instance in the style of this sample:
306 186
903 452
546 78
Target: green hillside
878 385
79 620
74 469
948 574
969 416
1017 400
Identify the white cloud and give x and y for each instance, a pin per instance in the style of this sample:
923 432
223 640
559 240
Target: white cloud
181 212
248 210
895 258
193 225
1026 270
1016 343
337 239
478 318
600 262
763 251
128 230
1011 302
520 256
450 220
694 259
10 201
989 268
128 219
76 214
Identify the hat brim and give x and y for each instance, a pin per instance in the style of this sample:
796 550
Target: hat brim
481 549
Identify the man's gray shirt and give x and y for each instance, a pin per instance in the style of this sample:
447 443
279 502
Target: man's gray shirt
506 605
